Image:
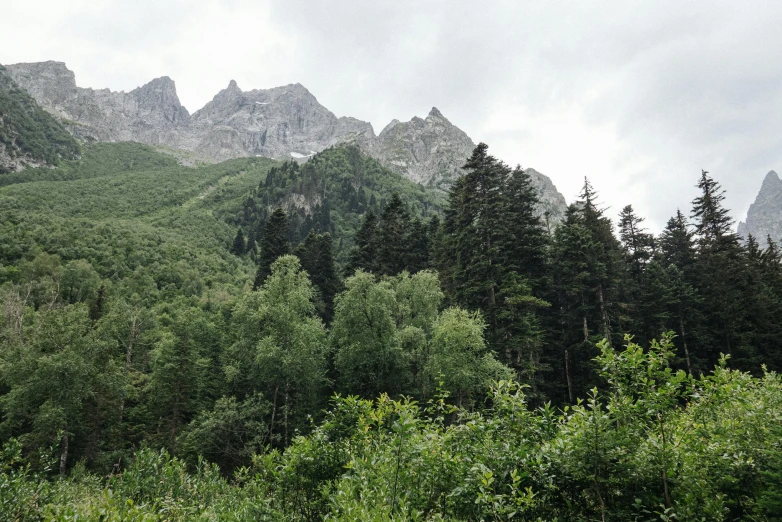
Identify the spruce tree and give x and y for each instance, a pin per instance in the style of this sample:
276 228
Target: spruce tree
238 246
317 259
274 243
364 253
588 273
720 277
638 245
417 256
392 236
524 239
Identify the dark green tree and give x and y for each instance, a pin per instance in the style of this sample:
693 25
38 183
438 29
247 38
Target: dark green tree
274 243
392 235
364 254
317 259
720 278
238 247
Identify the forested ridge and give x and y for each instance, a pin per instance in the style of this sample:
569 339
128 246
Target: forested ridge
258 340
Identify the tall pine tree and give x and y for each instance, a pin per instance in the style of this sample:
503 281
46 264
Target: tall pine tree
274 243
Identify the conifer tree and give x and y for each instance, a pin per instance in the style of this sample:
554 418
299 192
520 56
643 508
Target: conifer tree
274 243
638 245
677 255
588 271
364 253
677 246
317 259
417 256
524 238
720 277
392 235
238 246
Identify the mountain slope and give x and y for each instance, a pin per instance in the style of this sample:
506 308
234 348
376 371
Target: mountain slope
29 136
764 217
282 123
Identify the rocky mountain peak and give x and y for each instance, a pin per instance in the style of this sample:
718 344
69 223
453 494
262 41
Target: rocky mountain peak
764 217
430 151
770 182
435 113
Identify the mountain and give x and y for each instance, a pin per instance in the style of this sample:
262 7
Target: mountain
29 136
281 123
764 217
430 151
150 114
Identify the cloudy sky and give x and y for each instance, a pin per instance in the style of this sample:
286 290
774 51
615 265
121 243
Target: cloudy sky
636 96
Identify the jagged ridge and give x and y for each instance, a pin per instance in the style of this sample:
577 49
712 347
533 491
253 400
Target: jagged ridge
281 123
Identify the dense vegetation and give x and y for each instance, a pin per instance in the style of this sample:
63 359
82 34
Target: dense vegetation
27 131
182 343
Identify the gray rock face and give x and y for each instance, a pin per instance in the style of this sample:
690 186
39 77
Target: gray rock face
764 217
282 123
430 151
149 114
552 203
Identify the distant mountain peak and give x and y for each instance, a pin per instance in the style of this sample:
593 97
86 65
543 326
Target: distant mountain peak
764 217
435 113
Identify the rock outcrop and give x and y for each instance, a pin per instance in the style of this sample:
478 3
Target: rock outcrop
764 218
430 151
29 136
281 123
149 114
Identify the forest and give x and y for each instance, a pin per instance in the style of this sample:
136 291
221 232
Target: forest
263 340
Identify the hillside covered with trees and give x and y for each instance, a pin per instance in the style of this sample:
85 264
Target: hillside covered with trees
257 340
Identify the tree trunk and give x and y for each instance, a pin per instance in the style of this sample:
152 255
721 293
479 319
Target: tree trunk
604 315
64 454
684 341
567 375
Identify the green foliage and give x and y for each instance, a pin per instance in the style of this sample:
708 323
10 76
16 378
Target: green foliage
331 193
127 321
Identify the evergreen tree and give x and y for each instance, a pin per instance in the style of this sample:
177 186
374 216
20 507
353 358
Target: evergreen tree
524 239
364 254
677 246
317 259
274 243
677 254
238 247
638 245
392 234
720 277
417 256
588 270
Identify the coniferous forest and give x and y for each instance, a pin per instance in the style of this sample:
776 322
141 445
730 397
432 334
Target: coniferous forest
262 340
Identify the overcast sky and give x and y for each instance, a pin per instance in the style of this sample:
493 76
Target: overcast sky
636 96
